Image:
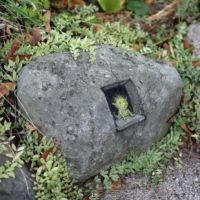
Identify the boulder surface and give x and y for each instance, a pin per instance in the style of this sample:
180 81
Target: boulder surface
19 187
193 37
72 101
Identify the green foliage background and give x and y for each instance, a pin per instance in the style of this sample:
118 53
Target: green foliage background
76 33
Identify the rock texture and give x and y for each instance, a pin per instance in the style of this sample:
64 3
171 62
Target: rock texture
70 101
193 36
182 184
19 187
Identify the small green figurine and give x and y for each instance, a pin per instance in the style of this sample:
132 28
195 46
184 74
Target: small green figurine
121 104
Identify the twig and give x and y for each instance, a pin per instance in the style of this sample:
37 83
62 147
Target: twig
9 24
27 117
168 10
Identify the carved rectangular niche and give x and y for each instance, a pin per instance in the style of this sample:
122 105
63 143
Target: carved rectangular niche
127 89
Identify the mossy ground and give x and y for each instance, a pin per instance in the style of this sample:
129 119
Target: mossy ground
83 31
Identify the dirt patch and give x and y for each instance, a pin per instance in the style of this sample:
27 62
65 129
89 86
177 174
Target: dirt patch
181 184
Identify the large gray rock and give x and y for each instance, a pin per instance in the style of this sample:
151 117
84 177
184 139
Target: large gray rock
20 187
194 37
72 102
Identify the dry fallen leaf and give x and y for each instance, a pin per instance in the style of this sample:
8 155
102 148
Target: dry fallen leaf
196 63
189 134
59 4
136 47
123 16
46 153
173 62
14 47
116 185
11 53
5 88
186 129
149 2
7 29
86 198
24 56
27 37
36 37
4 31
167 47
97 28
71 4
31 128
47 18
33 38
188 45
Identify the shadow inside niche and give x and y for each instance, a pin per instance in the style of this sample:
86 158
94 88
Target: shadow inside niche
126 89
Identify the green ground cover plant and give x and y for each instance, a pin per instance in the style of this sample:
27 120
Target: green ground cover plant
23 12
51 177
12 153
76 33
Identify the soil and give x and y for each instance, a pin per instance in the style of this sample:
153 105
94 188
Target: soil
181 184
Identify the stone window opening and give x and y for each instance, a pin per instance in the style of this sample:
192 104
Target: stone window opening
120 89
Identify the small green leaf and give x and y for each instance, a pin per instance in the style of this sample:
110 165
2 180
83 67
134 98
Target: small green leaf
17 156
20 148
114 177
110 5
39 171
11 174
138 7
9 155
13 147
49 165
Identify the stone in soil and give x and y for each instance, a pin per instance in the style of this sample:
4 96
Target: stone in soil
18 188
193 37
71 100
